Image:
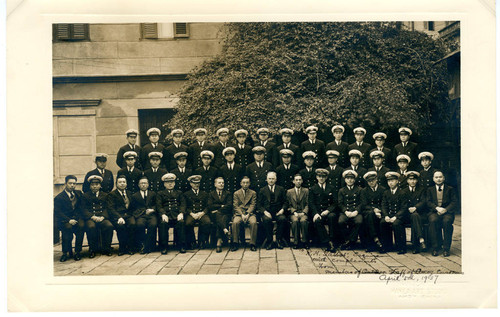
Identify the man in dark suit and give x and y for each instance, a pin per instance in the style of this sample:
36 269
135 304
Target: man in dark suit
380 138
417 209
339 145
107 177
270 205
394 215
175 147
403 161
350 218
181 172
153 146
442 203
155 172
243 151
244 206
220 210
218 147
315 145
132 173
355 157
95 214
207 172
308 173
297 205
121 217
270 147
371 201
406 147
426 170
324 211
286 171
361 146
230 171
197 211
378 167
197 147
143 209
257 171
286 137
334 171
171 209
67 210
130 146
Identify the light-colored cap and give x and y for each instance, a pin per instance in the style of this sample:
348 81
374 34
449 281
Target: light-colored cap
258 148
200 130
180 154
377 153
177 131
169 177
286 152
359 130
286 131
229 150
332 153
392 175
404 130
338 127
426 154
153 130
309 154
380 135
370 175
94 178
263 130
101 156
222 130
355 152
130 154
401 157
241 131
207 153
311 128
155 154
349 173
131 131
194 178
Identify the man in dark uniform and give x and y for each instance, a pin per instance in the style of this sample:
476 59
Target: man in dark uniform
355 157
417 209
130 146
297 205
95 214
153 146
244 206
371 201
394 215
143 209
107 176
181 172
270 205
270 153
197 147
360 145
324 211
380 138
286 171
197 211
406 147
121 217
350 219
175 147
338 145
426 171
171 209
308 173
334 171
230 171
243 151
208 172
154 173
286 137
220 210
218 147
378 167
257 171
67 210
403 161
315 145
132 173
442 203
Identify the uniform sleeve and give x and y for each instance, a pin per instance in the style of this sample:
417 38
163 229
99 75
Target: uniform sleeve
341 201
385 207
159 204
119 158
403 206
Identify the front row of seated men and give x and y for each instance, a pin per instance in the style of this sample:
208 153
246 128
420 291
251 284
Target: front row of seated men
372 213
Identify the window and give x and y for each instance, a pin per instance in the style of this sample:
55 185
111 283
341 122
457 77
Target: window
164 30
431 25
70 32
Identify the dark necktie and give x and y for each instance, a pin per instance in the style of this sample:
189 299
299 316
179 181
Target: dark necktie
71 195
220 195
440 188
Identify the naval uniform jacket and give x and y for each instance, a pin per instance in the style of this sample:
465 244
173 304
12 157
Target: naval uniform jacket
415 198
196 203
387 155
132 177
294 148
232 177
243 155
394 204
364 149
64 209
382 181
107 183
154 178
270 154
350 199
120 161
258 175
217 149
427 177
308 177
411 149
360 181
335 178
95 206
171 203
116 205
207 177
371 199
194 151
343 158
181 182
285 176
320 200
318 147
148 148
169 153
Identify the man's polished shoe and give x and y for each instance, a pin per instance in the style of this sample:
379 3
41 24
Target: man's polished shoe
446 253
434 253
218 249
108 253
306 246
234 247
91 254
121 252
295 246
269 246
144 251
182 250
284 243
77 256
344 246
164 251
382 250
131 252
279 245
402 251
253 248
63 258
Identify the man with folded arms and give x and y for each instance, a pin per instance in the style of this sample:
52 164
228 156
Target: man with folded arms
244 204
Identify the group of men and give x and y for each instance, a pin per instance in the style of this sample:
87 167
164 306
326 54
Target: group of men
331 194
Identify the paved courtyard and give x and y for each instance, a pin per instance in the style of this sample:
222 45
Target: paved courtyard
244 261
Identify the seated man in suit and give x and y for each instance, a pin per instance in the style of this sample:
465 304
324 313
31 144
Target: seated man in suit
371 201
121 217
350 219
220 210
130 146
171 208
107 177
243 151
143 209
197 212
95 214
297 204
271 202
132 173
426 170
181 172
67 210
417 209
244 204
155 172
286 171
338 145
442 203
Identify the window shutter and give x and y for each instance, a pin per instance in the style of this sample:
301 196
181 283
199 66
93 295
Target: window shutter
149 30
181 30
63 31
79 31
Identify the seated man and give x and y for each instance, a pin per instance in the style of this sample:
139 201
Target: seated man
350 219
371 201
220 210
244 203
442 203
394 215
101 160
197 212
67 210
270 202
417 209
297 204
95 214
171 208
143 209
121 217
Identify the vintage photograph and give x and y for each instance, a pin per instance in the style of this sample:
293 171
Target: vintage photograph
206 148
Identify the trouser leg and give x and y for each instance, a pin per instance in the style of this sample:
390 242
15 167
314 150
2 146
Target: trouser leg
433 229
447 230
91 229
79 231
268 228
252 220
399 234
280 227
237 221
